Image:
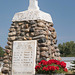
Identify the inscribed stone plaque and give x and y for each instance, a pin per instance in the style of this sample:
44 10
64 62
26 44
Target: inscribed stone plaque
24 57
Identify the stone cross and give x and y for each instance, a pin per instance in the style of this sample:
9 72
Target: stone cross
33 5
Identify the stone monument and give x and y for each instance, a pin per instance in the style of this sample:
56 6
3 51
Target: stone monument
32 24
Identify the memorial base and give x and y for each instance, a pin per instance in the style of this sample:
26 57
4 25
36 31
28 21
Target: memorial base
39 30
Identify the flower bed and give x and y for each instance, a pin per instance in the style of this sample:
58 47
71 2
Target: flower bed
51 67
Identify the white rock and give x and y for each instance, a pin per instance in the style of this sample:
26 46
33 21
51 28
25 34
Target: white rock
33 13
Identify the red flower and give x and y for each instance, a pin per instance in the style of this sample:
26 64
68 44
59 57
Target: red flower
57 68
49 62
43 62
65 69
53 61
57 62
39 63
45 69
63 64
37 67
49 67
52 68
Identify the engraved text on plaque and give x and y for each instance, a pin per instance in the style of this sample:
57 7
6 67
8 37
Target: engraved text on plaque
24 57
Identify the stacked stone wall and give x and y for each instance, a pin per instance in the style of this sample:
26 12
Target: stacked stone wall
39 30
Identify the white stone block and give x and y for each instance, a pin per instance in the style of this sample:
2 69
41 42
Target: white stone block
33 13
24 57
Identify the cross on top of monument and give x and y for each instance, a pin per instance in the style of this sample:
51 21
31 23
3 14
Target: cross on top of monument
33 4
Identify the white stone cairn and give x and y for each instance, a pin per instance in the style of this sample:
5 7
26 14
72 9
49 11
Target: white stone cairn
39 30
24 57
31 25
33 13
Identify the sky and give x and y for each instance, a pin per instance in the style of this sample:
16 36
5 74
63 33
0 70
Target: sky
61 11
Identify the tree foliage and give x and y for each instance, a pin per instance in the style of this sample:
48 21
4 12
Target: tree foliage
67 49
1 52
